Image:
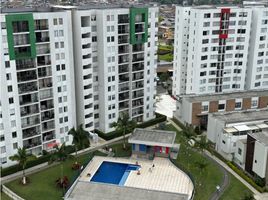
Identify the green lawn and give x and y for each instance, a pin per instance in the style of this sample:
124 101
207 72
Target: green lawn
235 191
42 185
206 180
4 196
166 57
119 151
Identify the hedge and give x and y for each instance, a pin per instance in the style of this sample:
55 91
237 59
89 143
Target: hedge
114 134
245 177
42 159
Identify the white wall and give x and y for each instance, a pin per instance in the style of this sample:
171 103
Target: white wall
260 159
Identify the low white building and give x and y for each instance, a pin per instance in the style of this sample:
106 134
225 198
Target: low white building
229 130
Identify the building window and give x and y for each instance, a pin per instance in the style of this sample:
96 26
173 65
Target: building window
254 103
238 105
15 145
2 138
204 108
239 151
14 134
221 106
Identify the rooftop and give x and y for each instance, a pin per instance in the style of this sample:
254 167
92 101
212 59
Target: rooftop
261 137
241 116
152 137
225 96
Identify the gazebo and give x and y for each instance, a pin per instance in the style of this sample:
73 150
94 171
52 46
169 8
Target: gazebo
149 143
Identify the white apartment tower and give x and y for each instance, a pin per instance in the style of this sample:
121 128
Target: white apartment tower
36 81
115 64
211 49
257 73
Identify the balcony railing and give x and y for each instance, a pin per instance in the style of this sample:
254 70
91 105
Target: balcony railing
47 115
48 125
45 105
137 94
123 19
30 121
27 87
45 83
30 132
28 98
26 76
29 110
123 68
123 96
48 136
45 94
123 78
25 64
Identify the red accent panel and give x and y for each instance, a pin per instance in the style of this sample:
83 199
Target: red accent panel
225 10
167 150
223 36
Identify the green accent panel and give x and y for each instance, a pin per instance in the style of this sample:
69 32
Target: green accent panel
132 21
17 18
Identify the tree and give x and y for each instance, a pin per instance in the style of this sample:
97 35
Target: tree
22 158
60 155
124 124
202 143
248 196
80 138
189 131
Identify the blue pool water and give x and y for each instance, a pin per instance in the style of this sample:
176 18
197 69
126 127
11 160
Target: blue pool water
113 173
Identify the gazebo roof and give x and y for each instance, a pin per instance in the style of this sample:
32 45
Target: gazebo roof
153 137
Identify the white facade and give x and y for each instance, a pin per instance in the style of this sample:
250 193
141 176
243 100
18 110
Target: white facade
257 73
112 75
36 109
260 158
220 49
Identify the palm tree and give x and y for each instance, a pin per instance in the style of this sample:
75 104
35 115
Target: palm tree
22 158
124 124
60 155
80 138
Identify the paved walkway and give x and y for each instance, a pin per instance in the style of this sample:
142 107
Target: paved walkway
102 143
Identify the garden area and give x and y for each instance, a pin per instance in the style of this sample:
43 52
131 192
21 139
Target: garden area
165 53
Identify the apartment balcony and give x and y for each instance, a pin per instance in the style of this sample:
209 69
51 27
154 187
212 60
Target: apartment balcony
123 78
123 87
27 87
123 49
28 98
137 85
30 121
46 94
139 28
41 24
47 115
123 39
43 60
46 126
137 76
22 51
138 47
26 76
21 39
46 105
137 94
137 103
139 18
25 64
31 132
44 72
33 142
123 59
29 110
138 57
45 83
123 29
138 111
123 96
48 136
138 66
123 69
20 26
123 105
123 19
138 118
42 49
42 37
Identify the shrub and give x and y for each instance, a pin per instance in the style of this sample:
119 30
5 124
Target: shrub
245 177
176 121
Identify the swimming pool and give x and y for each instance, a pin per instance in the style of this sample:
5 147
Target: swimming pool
113 173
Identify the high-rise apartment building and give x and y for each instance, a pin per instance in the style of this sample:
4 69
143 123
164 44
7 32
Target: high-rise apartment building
257 73
220 49
37 81
115 64
67 66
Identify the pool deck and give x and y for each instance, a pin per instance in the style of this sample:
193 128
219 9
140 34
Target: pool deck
164 177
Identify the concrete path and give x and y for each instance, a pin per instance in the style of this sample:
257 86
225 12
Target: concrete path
45 165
